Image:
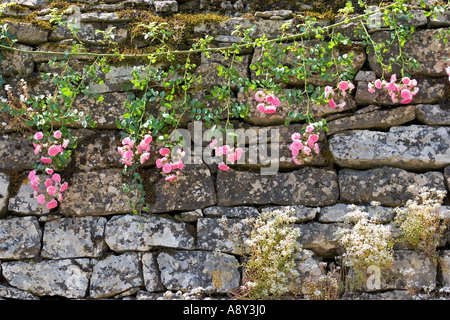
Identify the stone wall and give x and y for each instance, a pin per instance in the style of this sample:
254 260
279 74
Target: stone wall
93 246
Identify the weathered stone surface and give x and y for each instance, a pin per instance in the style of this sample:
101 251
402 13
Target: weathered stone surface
439 20
16 63
307 186
67 278
193 189
74 238
308 268
430 91
191 269
431 55
336 213
413 147
191 216
98 193
433 114
27 33
86 32
446 267
241 212
115 275
116 78
378 119
319 237
17 153
150 272
300 213
20 238
317 111
8 292
143 232
389 186
227 235
98 152
4 193
447 177
24 202
104 113
294 59
388 295
283 14
166 6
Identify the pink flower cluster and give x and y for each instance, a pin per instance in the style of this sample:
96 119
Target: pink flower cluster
268 103
231 154
344 87
143 150
53 185
448 72
58 145
171 164
402 92
303 146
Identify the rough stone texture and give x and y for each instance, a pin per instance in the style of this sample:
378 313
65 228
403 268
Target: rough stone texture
17 153
336 213
433 114
446 267
193 189
67 278
431 56
227 235
191 269
24 203
319 237
241 212
4 193
300 213
166 6
308 268
17 64
150 272
440 20
447 177
389 186
308 186
143 232
27 33
430 91
8 292
97 193
86 31
20 238
74 238
378 119
411 147
114 275
191 216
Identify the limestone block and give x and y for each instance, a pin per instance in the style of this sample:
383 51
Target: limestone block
389 186
241 212
17 153
74 238
20 238
300 213
144 232
307 186
4 193
67 278
191 269
150 273
319 238
433 114
114 275
7 292
27 33
414 147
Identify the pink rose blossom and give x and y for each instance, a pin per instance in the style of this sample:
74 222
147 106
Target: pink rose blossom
297 145
393 78
343 85
54 150
328 91
127 162
65 143
406 94
406 80
49 171
378 84
232 157
38 148
261 107
222 166
170 178
370 88
128 141
51 190
260 96
180 165
270 110
273 100
32 174
164 151
40 199
56 177
38 135
295 152
316 148
159 163
342 104
313 138
57 134
46 160
309 128
306 150
296 161
332 104
48 182
144 146
128 155
52 204
167 168
295 136
63 187
144 157
238 152
148 139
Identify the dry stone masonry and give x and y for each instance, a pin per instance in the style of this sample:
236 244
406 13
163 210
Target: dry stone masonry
93 246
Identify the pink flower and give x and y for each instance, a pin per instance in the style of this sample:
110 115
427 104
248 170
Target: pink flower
46 160
406 80
180 165
127 162
332 104
48 171
32 174
261 107
313 138
38 148
406 94
170 178
343 85
295 152
225 149
128 155
232 157
378 84
57 134
342 104
238 152
128 141
51 190
270 109
159 163
164 151
144 157
328 91
167 167
260 96
52 204
448 72
296 161
295 136
273 100
40 198
392 86
63 187
309 128
38 135
48 182
56 177
406 101
148 139
213 143
316 148
297 145
54 150
306 150
222 166
65 143
144 146
370 88
393 78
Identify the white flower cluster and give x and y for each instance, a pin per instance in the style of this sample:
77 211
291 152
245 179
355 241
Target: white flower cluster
420 222
198 293
365 241
273 245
